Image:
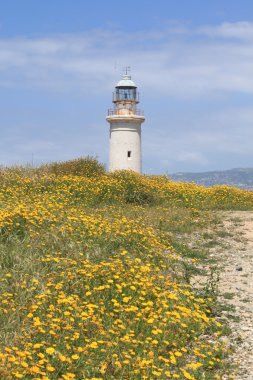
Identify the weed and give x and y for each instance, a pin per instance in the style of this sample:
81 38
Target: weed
228 295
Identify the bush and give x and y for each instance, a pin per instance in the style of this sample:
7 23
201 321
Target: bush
136 189
83 166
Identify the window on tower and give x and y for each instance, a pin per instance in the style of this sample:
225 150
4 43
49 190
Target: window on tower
126 93
129 154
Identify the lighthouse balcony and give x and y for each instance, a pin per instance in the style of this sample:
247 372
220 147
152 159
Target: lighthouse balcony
125 112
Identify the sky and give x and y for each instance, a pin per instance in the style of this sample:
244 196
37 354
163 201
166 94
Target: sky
192 61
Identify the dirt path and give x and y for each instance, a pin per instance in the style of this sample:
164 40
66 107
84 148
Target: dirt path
236 285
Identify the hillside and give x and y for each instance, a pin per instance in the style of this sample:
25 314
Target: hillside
96 275
242 178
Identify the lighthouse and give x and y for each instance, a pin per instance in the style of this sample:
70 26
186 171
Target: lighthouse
125 127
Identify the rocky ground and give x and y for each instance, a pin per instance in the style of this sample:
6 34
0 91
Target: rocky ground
234 253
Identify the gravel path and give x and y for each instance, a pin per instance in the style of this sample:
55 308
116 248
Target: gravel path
236 287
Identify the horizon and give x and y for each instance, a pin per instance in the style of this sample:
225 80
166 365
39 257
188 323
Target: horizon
214 171
31 165
192 63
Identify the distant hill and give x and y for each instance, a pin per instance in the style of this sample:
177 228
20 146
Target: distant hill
242 178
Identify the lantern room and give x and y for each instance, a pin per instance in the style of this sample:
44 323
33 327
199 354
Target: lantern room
126 90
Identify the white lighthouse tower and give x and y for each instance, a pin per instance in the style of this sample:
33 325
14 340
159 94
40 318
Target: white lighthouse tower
125 127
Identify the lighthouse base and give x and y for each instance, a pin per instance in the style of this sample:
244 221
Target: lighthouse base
125 146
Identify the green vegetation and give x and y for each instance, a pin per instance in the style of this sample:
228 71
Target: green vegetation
95 273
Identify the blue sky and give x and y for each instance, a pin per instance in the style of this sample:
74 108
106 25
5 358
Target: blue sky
191 59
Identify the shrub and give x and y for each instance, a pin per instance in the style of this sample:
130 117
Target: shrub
136 189
83 166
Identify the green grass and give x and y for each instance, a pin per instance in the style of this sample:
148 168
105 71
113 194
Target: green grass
96 273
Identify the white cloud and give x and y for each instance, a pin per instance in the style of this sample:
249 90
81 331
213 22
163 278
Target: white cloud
240 30
189 63
222 139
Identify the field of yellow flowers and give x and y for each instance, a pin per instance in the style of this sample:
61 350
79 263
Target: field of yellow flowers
91 285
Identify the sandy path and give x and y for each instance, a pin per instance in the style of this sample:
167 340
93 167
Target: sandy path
236 285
